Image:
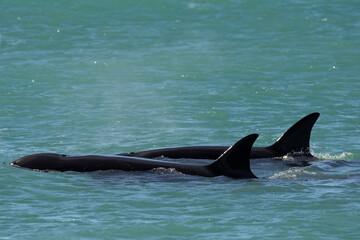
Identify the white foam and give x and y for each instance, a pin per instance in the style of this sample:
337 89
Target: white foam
327 156
292 173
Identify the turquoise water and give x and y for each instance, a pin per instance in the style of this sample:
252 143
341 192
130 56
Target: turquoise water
81 77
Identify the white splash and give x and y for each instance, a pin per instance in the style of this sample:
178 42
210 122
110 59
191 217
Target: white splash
327 156
161 170
292 173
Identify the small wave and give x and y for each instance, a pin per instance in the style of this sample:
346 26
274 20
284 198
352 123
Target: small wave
293 173
327 156
297 160
162 170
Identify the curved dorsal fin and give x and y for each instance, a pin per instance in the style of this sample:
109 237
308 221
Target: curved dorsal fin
296 139
235 161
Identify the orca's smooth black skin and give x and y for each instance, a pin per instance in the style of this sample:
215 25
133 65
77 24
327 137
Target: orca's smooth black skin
234 162
295 141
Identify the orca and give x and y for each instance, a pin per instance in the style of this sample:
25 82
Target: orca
234 162
294 142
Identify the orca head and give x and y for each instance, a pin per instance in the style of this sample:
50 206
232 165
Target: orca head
40 161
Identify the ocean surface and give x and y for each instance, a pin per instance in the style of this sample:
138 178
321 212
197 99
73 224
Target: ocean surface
105 77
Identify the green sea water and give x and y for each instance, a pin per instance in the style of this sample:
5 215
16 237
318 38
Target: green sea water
105 77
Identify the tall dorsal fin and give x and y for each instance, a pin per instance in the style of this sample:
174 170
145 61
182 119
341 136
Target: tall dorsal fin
296 139
235 161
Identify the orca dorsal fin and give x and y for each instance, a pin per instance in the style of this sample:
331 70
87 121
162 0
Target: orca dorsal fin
296 139
235 161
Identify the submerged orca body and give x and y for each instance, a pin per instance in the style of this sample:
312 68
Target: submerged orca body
295 141
234 162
